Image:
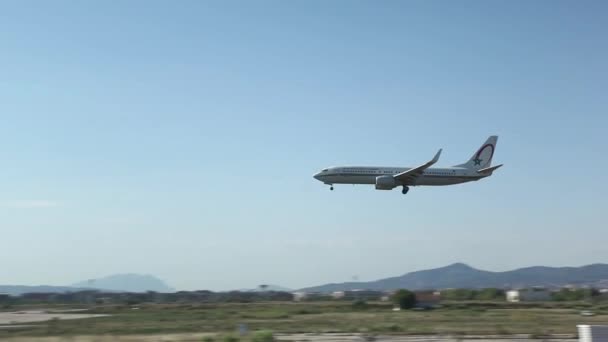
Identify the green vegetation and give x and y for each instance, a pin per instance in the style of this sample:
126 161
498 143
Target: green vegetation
468 294
263 336
221 321
489 294
405 299
360 305
574 294
230 338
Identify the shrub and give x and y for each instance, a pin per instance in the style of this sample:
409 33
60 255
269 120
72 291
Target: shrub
359 304
230 338
405 299
263 336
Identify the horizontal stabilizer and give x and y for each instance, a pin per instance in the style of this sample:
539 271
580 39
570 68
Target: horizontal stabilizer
489 170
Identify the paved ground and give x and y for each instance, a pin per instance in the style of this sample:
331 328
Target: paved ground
411 338
293 338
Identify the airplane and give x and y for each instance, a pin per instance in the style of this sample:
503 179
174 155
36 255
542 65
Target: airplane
388 178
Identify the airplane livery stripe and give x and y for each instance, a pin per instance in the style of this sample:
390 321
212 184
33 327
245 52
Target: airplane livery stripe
387 174
483 148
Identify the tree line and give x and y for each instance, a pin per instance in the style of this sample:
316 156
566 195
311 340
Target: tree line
100 297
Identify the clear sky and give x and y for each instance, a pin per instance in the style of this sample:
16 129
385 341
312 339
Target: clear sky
179 138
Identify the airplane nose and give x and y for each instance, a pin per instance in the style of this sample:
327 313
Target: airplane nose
317 176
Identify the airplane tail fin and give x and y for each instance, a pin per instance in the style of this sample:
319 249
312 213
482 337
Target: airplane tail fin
483 157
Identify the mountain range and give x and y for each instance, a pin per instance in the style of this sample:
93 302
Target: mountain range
127 283
460 275
113 283
17 290
263 288
457 275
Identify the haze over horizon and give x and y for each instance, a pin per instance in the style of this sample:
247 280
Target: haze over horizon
134 282
180 139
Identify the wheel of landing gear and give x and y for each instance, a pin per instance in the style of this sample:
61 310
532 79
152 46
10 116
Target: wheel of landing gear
405 190
331 188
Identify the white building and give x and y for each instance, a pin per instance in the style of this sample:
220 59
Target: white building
528 295
338 294
592 333
358 294
512 296
300 296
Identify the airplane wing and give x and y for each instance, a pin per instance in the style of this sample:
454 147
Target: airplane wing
409 177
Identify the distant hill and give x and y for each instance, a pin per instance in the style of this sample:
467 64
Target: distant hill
460 275
16 290
113 283
275 288
126 283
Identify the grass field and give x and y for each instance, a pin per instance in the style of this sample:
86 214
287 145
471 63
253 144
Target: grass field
376 318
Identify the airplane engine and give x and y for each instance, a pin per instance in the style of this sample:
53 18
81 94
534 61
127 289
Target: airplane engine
385 183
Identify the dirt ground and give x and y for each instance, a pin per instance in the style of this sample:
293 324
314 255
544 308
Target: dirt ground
31 316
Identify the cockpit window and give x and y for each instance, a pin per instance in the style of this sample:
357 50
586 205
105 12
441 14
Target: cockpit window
324 170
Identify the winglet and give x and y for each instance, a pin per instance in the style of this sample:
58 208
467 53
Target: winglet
436 157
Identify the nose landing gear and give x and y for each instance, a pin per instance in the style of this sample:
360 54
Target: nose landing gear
405 190
331 188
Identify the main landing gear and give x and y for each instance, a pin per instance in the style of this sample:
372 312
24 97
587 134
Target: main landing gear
405 190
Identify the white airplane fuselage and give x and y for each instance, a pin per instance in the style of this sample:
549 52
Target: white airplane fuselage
388 178
368 175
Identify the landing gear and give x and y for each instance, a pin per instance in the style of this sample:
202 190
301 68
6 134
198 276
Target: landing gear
405 190
331 188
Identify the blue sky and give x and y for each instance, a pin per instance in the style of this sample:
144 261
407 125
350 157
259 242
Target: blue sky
180 138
